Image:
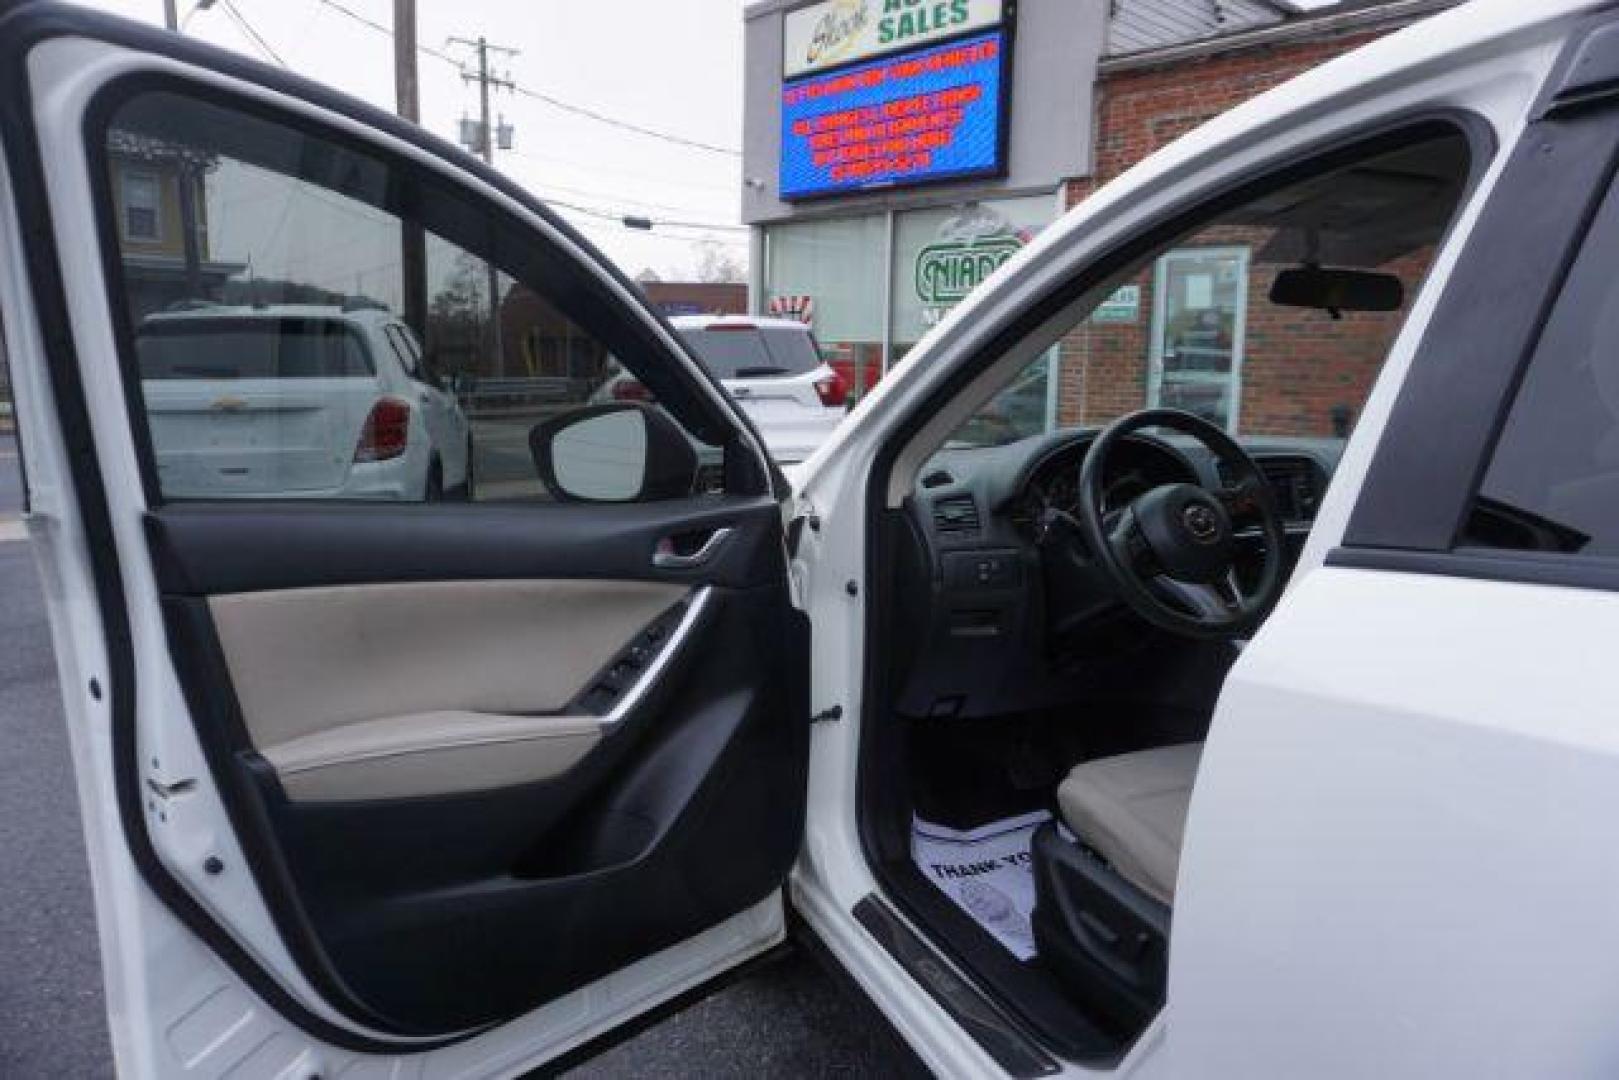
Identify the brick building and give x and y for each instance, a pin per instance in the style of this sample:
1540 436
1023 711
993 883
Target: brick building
1097 86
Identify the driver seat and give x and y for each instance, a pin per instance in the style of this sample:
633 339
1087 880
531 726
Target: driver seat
1131 810
1102 905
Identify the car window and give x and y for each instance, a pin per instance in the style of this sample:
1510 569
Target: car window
402 349
206 348
742 352
1203 324
1552 483
252 308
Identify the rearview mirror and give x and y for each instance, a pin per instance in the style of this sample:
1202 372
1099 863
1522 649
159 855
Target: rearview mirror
623 452
1337 291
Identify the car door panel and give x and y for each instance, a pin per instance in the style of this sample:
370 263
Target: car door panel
419 886
457 885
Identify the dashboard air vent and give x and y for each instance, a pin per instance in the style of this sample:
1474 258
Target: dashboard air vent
1297 484
956 515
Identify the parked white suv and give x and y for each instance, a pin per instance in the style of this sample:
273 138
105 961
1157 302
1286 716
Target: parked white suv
773 368
298 400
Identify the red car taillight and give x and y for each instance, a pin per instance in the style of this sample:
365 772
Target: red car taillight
386 431
833 390
631 390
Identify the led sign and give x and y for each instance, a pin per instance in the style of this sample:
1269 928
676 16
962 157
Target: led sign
932 114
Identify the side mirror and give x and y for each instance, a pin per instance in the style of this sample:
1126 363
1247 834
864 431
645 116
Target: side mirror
1337 290
623 452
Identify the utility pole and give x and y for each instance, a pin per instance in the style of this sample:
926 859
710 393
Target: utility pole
483 144
405 86
413 241
183 179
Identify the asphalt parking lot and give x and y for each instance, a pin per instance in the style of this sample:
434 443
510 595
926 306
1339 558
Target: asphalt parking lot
787 1020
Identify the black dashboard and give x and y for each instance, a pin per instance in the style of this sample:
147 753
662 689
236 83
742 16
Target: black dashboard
1008 623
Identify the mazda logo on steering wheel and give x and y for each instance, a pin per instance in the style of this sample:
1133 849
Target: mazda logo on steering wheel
1201 523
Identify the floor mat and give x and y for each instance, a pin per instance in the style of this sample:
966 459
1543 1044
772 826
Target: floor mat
986 872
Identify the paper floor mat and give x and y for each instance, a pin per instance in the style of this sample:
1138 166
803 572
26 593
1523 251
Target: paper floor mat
986 872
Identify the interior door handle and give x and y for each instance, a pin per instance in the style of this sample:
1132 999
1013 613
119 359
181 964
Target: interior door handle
669 557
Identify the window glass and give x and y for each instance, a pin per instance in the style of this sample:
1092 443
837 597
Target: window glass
942 253
266 326
1195 325
1199 325
1552 484
744 352
142 206
198 345
405 350
830 275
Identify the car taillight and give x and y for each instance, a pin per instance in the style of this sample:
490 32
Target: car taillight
631 390
833 390
386 431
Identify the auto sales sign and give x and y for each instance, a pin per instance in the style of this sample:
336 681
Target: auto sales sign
887 92
838 32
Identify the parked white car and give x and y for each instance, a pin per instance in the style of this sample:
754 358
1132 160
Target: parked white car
774 370
771 367
1139 747
300 401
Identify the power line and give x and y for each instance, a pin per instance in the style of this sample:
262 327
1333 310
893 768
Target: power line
628 174
601 118
614 197
253 35
609 215
381 28
548 99
609 231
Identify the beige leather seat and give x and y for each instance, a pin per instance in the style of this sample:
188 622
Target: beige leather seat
1132 810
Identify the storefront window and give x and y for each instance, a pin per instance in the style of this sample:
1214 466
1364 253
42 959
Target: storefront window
830 275
940 255
1198 328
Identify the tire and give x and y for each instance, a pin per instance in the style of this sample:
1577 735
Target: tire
434 491
464 492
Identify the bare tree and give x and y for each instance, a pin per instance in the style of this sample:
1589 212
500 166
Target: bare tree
716 263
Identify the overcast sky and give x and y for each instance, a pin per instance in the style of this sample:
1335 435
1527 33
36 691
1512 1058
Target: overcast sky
670 65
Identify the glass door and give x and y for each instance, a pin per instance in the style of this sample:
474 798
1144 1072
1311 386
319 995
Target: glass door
1200 308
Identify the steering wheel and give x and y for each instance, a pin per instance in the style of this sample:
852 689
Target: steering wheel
1171 553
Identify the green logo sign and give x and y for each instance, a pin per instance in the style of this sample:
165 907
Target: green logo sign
946 273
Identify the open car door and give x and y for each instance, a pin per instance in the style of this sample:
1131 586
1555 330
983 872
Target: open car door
400 752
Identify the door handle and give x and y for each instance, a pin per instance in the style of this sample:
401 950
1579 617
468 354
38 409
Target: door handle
669 557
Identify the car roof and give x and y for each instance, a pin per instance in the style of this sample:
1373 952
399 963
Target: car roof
362 316
763 322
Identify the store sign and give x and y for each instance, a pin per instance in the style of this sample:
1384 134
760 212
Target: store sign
933 114
1124 306
837 32
971 246
946 273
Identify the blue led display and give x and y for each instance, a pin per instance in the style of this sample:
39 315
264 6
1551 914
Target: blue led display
926 115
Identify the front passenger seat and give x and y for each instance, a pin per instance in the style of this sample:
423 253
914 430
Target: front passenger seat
1131 810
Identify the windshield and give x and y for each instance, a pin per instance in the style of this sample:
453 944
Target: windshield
1234 322
755 352
250 348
